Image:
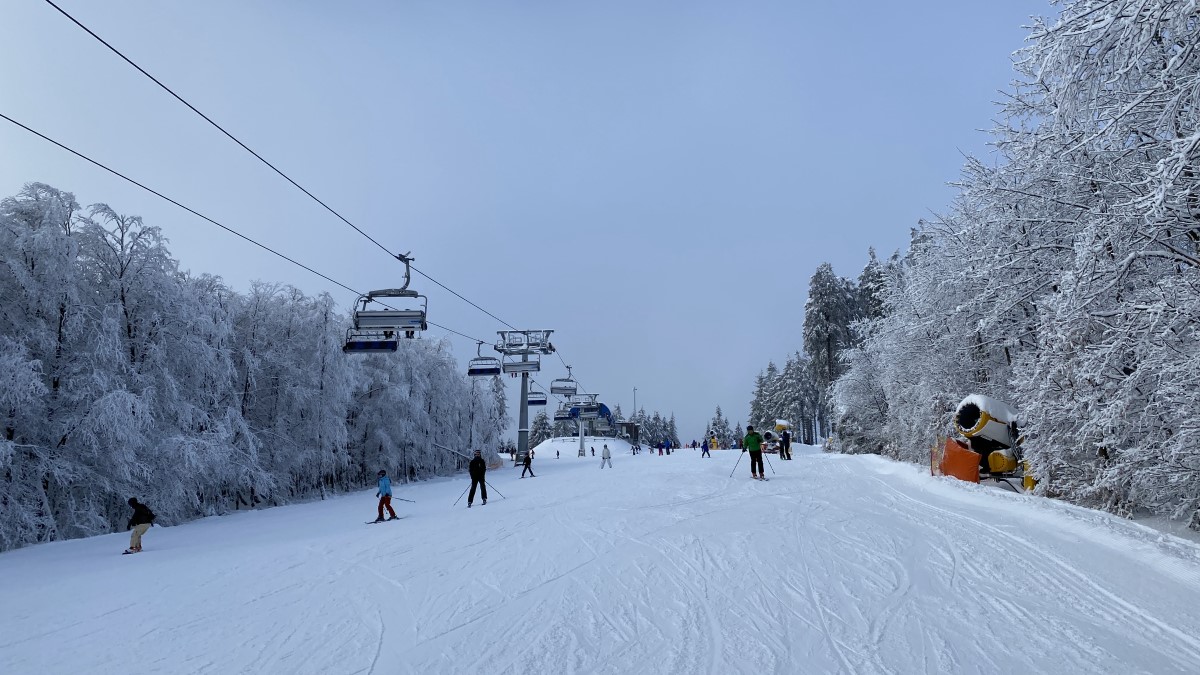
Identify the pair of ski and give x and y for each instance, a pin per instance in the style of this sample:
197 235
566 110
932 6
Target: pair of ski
385 520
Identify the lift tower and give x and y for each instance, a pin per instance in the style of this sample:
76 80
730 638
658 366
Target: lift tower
521 352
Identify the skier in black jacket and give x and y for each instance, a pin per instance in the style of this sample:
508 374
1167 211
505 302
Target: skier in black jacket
477 469
528 465
141 520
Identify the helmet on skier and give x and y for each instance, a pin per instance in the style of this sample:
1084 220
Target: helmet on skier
382 472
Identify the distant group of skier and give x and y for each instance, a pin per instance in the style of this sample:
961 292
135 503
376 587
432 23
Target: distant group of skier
143 517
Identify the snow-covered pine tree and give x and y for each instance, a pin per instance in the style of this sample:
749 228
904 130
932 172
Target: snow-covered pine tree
758 399
539 429
831 308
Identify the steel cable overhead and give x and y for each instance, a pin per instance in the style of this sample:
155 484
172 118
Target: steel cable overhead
274 168
262 159
196 213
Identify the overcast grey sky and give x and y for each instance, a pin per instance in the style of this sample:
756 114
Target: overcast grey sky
655 181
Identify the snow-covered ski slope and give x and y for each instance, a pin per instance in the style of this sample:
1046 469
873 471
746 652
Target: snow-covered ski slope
659 565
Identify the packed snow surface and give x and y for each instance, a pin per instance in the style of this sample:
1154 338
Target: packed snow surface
658 565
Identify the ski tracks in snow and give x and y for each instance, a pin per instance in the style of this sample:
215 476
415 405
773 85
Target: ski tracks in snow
661 565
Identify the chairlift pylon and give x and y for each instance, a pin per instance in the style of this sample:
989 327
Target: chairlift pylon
514 363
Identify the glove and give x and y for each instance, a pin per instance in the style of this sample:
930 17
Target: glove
377 494
743 449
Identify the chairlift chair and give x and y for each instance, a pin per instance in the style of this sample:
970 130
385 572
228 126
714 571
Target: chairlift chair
536 398
409 319
377 330
564 386
483 366
563 414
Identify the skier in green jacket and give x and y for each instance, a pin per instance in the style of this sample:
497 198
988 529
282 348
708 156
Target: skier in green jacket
753 443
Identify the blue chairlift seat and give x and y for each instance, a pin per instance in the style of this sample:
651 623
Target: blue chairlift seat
370 346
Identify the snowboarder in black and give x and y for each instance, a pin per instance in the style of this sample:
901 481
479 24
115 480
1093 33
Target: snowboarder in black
785 445
477 468
528 465
141 520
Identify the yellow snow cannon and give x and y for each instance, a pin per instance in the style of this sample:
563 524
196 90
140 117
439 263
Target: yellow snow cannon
986 419
990 427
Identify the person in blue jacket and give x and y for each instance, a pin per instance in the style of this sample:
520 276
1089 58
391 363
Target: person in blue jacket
385 496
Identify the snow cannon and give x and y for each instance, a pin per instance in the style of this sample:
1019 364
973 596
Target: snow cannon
990 427
782 426
770 441
989 423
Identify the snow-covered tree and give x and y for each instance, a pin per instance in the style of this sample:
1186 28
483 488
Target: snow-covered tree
122 376
832 307
719 427
1064 278
540 429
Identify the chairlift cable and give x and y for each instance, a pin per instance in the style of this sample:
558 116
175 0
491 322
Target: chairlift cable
260 158
451 330
206 218
190 210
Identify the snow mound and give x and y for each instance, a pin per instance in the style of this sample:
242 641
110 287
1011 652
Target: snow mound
569 446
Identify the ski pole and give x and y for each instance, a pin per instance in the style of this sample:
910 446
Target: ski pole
456 501
493 490
769 463
460 454
402 499
735 466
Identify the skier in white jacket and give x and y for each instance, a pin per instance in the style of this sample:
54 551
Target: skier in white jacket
605 456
